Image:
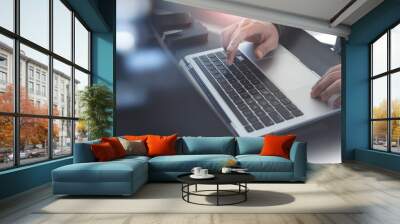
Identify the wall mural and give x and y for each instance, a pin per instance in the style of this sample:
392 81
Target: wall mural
197 72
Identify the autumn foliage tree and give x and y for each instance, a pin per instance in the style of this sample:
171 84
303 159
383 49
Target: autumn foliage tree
33 131
6 122
380 127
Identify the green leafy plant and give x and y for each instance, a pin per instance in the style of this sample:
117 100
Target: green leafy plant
97 104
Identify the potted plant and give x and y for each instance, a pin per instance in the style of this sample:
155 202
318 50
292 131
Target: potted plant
97 103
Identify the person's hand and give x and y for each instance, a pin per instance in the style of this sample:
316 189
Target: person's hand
328 88
263 34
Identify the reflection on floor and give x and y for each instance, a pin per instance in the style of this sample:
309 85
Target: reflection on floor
377 189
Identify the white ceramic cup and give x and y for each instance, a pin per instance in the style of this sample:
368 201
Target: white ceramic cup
196 171
226 170
203 172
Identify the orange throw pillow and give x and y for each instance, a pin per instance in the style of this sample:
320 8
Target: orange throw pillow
136 137
116 145
161 145
277 145
103 152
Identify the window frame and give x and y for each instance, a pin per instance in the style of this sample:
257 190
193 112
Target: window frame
16 114
388 74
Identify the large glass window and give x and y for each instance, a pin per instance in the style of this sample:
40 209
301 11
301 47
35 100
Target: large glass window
395 47
379 97
62 91
81 45
385 94
42 123
62 137
7 14
6 142
379 56
40 62
34 21
81 81
6 74
62 29
33 140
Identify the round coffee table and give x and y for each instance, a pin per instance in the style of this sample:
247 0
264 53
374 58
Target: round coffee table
238 179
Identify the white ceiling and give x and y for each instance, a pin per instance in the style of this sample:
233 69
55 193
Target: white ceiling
324 16
319 9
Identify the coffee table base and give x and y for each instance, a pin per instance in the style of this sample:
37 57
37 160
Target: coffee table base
242 191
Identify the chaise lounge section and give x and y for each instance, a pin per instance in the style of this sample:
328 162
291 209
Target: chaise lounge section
125 176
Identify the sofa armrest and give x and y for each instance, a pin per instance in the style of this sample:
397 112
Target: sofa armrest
298 155
83 153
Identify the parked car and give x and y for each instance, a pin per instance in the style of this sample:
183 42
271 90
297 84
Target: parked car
10 157
57 152
22 155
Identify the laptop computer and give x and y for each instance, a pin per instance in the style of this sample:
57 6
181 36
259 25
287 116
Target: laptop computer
256 97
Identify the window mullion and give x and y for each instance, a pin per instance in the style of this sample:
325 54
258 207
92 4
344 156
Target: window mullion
73 82
371 98
50 79
389 101
16 84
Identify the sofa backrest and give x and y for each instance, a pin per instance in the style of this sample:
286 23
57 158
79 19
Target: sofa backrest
249 145
83 152
207 145
191 146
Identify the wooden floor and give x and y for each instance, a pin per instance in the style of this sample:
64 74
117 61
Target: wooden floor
377 188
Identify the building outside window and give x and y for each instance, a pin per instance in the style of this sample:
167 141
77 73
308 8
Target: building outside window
385 94
3 61
3 72
38 89
30 87
30 72
58 128
55 96
37 74
3 78
44 77
43 90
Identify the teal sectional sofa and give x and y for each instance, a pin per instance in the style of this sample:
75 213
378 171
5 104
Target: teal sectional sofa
125 176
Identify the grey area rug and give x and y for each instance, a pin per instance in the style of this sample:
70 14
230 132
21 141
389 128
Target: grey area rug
166 198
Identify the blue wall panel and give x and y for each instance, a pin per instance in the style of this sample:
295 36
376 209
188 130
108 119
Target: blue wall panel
24 178
103 61
380 159
356 102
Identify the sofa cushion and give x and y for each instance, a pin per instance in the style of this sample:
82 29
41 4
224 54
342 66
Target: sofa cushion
116 145
133 158
208 145
103 152
277 145
112 171
136 137
135 147
161 145
249 145
185 163
257 163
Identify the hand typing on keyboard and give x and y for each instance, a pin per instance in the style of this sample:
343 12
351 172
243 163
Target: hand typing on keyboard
264 34
328 88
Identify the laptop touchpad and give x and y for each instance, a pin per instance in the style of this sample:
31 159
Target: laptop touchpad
284 69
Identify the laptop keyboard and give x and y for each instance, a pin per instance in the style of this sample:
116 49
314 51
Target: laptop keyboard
252 97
